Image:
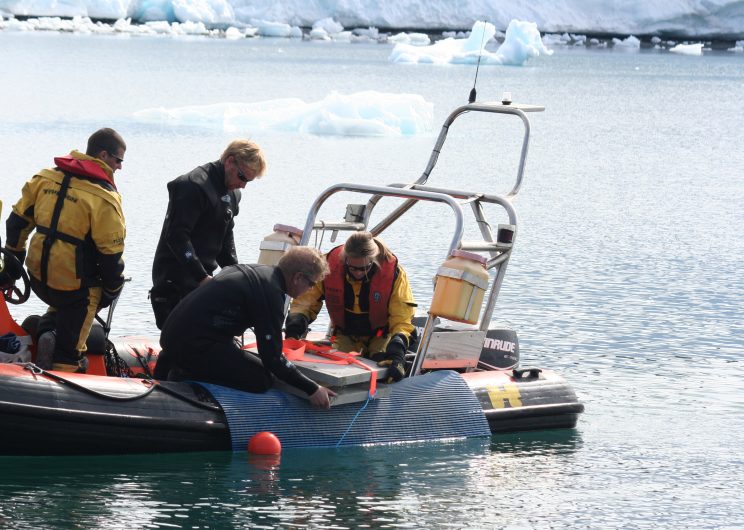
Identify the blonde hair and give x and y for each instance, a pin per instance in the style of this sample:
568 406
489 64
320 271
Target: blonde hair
248 153
365 245
306 260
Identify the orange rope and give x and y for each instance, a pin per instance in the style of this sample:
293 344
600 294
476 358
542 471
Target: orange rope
294 350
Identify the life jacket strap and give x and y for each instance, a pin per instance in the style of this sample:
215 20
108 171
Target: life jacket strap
52 235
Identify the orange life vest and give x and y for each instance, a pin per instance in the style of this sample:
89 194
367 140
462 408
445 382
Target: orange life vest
373 298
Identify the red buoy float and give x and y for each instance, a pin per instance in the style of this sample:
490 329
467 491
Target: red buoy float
264 443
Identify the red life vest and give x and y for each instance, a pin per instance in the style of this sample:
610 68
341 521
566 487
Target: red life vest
380 287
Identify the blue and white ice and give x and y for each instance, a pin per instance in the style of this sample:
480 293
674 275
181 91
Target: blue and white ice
686 19
366 113
521 42
374 113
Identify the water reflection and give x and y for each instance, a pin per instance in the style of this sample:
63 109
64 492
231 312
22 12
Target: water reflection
374 487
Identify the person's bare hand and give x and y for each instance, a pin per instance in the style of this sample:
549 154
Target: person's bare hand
322 398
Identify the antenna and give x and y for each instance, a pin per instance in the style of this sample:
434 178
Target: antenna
471 99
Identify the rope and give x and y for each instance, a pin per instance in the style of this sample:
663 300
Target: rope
31 367
294 350
370 396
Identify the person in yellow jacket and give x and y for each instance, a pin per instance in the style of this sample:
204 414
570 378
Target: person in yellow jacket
74 258
368 299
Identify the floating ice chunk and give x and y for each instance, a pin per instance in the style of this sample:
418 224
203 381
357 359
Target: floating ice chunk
415 39
233 33
14 24
330 26
124 25
631 43
319 34
460 34
579 40
521 42
369 33
190 28
267 28
53 24
344 36
361 114
688 49
551 39
161 27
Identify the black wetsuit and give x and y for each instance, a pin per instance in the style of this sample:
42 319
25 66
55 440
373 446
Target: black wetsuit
197 236
198 337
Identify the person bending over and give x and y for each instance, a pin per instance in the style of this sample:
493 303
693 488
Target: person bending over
198 339
369 301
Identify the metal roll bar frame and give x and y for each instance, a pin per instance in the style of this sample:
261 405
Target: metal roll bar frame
417 191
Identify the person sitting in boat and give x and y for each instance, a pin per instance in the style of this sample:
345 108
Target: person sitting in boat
197 233
75 256
198 338
369 301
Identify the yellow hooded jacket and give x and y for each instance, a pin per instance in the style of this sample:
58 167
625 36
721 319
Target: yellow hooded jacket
89 243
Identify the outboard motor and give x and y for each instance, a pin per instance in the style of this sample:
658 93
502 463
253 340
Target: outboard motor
500 347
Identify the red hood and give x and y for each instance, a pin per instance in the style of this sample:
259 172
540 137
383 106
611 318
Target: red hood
83 168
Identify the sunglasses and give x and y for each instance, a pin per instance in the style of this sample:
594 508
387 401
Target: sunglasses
242 176
365 268
120 160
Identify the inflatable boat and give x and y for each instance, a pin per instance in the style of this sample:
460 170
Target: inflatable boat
464 377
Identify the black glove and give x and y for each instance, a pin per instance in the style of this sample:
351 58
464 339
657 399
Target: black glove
296 326
10 271
6 281
394 356
107 297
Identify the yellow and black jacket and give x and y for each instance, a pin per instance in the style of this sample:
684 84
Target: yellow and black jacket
80 230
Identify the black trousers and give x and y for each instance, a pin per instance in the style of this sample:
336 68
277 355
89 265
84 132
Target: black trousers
164 298
215 362
70 315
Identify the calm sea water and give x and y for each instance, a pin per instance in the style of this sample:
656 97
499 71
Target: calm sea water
625 278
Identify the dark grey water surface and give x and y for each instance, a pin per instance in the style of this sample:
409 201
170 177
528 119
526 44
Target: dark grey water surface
625 278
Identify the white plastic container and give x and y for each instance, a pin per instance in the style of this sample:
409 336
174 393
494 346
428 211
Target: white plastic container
461 283
277 243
